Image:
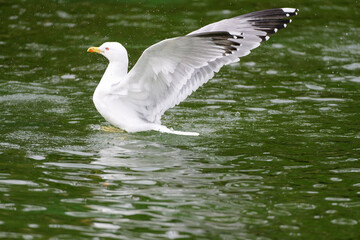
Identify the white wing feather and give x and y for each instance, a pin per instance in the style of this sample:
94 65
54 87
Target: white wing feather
169 71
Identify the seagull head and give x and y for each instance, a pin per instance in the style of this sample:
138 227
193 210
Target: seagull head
113 51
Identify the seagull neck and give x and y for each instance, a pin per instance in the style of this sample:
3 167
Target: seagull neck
115 71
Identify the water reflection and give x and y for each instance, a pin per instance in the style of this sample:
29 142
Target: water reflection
158 187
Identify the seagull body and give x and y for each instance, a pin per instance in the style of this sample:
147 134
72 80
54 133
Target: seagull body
169 71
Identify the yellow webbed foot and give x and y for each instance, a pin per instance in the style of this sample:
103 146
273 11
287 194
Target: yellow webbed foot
111 129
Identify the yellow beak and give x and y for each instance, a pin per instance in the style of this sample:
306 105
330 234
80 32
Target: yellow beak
94 50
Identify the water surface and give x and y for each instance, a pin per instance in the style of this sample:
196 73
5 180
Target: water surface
278 151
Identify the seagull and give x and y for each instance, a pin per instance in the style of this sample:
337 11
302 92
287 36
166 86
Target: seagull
169 71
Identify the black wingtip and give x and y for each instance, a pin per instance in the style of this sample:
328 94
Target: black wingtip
289 12
264 38
270 21
271 13
222 38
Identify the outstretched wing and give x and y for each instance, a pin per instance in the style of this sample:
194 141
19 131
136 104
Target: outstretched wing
169 71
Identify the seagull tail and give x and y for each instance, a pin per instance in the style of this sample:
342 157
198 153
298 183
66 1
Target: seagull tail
167 130
183 133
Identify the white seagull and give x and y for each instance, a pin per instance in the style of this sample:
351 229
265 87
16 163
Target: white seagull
169 71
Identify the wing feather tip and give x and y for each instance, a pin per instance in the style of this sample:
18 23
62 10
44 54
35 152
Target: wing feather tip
290 10
264 38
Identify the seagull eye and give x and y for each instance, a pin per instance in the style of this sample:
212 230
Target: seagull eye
106 48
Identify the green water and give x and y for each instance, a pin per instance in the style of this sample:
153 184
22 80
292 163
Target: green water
279 145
